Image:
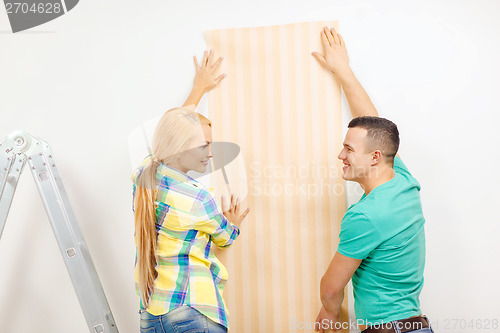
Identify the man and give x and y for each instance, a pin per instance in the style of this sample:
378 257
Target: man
382 239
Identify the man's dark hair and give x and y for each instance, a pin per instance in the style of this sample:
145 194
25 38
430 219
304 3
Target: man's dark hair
382 135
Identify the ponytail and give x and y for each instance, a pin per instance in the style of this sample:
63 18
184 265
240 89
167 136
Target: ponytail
145 230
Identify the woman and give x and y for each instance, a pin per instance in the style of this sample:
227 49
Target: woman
178 278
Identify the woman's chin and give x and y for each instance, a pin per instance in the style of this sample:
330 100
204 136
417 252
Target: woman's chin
201 169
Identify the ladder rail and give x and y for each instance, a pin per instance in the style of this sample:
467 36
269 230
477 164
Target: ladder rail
72 245
9 177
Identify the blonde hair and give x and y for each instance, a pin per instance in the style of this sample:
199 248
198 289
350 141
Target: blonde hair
172 135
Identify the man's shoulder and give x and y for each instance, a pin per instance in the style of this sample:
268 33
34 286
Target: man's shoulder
357 211
401 168
375 207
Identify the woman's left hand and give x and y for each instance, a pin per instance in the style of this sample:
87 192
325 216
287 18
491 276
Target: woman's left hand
232 213
206 73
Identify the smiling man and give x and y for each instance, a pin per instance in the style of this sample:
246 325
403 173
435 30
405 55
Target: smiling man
382 239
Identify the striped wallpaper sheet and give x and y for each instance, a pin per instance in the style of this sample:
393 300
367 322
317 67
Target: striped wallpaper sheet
284 111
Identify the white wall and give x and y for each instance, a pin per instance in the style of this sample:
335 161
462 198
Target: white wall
84 81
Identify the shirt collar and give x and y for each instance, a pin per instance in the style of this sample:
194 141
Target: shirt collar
174 173
388 183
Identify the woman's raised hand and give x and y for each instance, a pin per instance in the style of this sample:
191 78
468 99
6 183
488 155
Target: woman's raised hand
232 212
206 73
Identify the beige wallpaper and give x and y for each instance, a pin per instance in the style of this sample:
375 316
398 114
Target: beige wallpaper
283 110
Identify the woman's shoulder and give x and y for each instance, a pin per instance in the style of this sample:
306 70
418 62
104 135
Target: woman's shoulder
206 194
203 190
189 189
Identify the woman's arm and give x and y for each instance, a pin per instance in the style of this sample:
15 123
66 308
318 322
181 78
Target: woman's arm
223 227
206 77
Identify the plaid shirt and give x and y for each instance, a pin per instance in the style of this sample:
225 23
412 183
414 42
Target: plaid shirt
188 221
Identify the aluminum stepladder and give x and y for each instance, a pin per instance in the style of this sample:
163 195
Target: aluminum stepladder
15 150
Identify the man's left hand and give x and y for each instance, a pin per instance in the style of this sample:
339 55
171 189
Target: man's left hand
325 322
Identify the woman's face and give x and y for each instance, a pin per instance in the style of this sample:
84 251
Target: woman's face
197 156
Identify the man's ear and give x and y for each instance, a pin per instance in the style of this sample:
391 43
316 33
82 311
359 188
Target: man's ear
376 157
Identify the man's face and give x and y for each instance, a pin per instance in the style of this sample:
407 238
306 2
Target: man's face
356 160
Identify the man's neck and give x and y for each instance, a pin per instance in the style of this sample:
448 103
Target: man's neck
381 176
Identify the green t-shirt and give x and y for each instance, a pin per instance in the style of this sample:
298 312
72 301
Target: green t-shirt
386 229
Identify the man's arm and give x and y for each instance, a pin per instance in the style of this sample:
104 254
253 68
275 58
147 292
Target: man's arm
206 77
336 60
332 287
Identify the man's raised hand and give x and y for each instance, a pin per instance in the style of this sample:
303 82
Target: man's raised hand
334 57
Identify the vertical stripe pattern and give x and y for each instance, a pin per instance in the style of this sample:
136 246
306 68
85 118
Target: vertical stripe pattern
284 111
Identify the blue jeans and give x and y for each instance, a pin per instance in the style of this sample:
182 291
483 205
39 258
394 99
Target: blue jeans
181 319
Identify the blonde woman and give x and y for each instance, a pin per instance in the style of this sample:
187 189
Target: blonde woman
179 280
